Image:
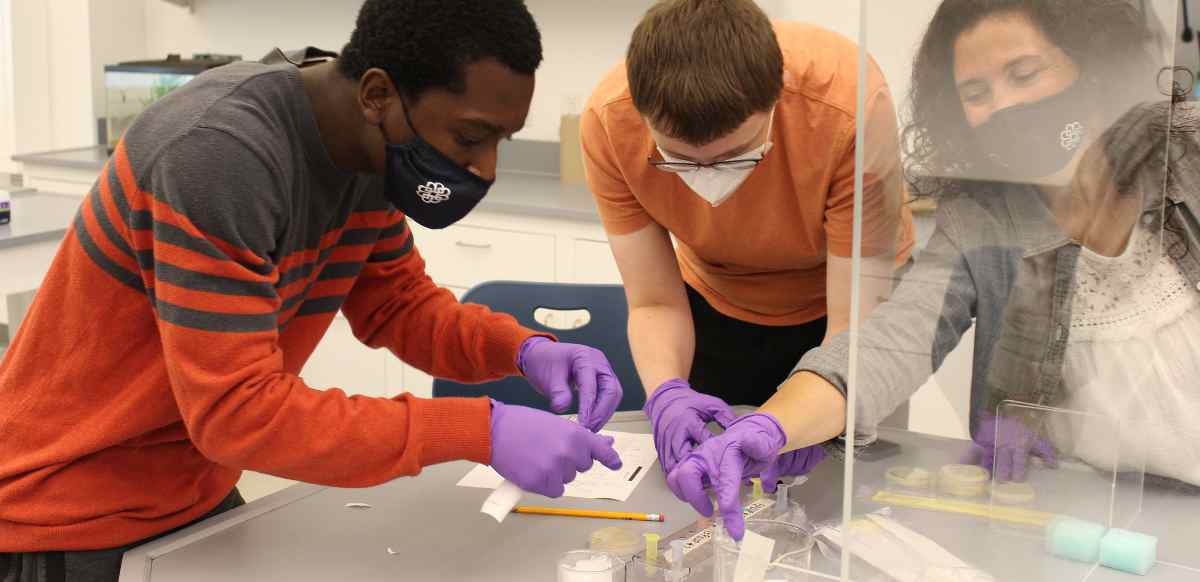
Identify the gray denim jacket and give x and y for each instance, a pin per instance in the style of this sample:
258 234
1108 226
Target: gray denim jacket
1001 261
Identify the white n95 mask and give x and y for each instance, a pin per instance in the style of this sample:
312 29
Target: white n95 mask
717 183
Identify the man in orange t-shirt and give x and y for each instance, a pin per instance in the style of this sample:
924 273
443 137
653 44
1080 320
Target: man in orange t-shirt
737 138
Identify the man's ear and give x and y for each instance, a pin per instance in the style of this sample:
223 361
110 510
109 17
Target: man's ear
375 89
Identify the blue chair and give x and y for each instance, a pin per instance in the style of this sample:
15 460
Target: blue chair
605 331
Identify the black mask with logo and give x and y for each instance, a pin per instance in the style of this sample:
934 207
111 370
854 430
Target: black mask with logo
1033 140
427 186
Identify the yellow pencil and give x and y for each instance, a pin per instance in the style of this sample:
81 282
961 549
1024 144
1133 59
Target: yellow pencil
590 513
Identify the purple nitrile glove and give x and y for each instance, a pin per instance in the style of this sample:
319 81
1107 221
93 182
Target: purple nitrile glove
1005 443
552 368
747 447
792 463
540 452
679 417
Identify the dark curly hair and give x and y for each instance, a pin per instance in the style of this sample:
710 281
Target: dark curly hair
1111 41
424 44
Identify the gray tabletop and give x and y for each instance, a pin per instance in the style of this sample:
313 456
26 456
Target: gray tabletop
437 533
85 158
37 217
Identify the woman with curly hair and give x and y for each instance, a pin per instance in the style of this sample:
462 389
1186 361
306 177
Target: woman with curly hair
1066 233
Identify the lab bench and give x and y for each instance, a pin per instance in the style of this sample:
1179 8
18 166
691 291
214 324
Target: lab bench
70 171
27 246
427 528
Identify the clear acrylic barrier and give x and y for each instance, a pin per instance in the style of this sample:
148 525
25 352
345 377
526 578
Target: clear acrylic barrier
1045 147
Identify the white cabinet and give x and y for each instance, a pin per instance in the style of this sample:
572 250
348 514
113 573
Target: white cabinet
466 255
341 361
24 268
593 262
413 380
489 246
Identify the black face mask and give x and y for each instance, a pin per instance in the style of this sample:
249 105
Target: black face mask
427 186
1033 140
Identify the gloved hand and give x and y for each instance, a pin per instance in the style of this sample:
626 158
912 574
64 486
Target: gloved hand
1007 443
540 452
747 447
552 368
791 463
678 416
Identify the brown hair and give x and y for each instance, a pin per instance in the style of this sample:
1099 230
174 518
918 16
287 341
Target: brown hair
699 68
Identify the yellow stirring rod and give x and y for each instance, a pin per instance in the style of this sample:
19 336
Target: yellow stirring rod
1009 514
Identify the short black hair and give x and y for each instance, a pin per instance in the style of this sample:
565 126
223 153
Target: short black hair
424 44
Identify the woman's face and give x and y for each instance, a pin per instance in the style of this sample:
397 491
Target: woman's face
1006 60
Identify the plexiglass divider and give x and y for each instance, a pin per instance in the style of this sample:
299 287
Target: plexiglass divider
1051 162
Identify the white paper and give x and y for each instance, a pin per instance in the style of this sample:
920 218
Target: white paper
502 501
901 553
637 455
754 558
938 560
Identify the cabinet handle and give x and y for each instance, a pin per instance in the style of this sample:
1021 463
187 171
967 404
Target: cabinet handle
472 245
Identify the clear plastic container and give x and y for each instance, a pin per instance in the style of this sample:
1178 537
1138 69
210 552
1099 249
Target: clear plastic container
791 556
616 540
590 566
963 481
909 480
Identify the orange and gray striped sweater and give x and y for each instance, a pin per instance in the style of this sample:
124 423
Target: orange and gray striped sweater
160 356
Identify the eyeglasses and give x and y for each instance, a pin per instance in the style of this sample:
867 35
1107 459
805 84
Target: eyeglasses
681 167
684 167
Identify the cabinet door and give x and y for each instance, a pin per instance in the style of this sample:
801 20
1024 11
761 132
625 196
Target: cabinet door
465 256
594 263
341 361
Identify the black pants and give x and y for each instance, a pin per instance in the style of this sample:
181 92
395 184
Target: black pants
743 363
86 566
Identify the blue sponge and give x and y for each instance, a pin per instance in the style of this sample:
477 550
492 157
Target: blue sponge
1074 539
1128 551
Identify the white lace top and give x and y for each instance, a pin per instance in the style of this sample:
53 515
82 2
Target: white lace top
1133 361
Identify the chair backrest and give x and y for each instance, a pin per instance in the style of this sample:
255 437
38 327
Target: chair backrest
609 314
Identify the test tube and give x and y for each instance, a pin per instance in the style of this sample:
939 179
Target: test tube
758 490
651 552
676 574
781 499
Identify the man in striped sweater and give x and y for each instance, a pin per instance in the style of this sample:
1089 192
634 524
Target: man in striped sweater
235 218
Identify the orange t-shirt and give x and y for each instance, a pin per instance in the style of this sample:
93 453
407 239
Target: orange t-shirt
760 255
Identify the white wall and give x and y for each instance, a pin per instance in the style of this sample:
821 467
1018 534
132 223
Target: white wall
581 39
31 76
7 130
57 50
117 33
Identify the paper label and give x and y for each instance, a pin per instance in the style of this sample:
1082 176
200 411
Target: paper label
754 559
502 501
